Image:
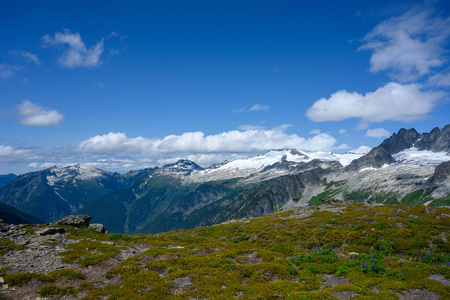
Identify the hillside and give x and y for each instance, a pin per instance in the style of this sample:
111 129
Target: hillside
334 251
4 179
12 215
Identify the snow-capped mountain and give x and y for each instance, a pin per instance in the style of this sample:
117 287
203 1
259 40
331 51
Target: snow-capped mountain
73 174
52 193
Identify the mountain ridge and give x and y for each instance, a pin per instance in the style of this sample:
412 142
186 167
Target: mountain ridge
185 195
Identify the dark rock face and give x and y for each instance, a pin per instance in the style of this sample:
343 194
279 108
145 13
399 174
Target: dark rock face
438 140
376 158
75 220
441 173
404 139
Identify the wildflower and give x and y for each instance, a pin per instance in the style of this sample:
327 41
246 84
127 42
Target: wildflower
371 255
349 262
363 265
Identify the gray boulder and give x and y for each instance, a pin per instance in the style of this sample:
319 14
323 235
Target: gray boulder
75 220
98 228
51 231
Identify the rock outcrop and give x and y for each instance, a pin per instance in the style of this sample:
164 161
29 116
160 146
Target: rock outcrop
75 220
441 173
98 228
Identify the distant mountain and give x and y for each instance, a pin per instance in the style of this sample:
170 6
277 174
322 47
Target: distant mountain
53 193
12 215
4 179
407 168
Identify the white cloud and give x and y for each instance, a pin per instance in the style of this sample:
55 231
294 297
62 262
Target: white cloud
393 101
34 115
8 154
378 133
250 127
408 46
30 57
238 110
7 71
114 34
259 107
342 131
315 131
41 165
196 142
441 79
361 150
76 53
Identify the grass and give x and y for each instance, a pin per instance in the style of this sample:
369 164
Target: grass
281 256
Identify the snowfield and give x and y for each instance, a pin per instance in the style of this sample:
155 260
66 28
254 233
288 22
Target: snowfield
421 156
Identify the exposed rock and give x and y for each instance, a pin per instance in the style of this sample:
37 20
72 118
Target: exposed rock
75 220
404 139
332 281
376 158
438 140
51 231
416 294
441 173
180 284
440 278
98 228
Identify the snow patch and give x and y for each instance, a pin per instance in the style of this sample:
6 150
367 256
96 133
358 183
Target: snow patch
421 156
73 173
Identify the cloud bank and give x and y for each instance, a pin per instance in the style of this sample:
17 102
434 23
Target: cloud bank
392 102
75 54
196 142
9 154
34 115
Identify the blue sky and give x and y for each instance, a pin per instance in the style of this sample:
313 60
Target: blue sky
123 85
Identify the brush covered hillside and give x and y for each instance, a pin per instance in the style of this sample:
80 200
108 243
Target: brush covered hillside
4 179
12 215
334 251
408 168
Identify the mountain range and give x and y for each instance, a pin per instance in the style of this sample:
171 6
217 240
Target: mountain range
407 168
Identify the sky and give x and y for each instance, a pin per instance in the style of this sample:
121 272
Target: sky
126 85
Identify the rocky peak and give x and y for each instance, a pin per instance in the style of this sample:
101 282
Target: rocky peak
438 140
404 139
184 166
376 158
